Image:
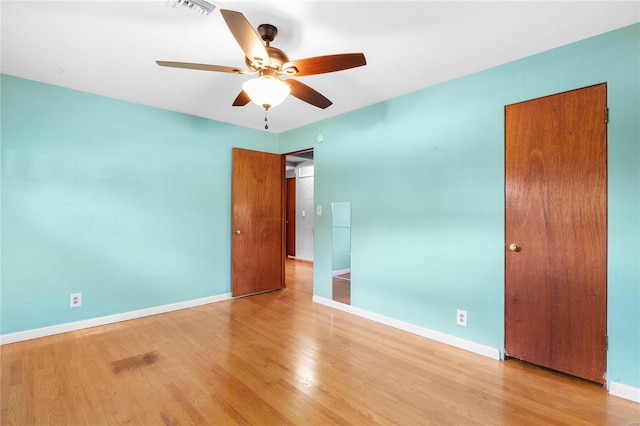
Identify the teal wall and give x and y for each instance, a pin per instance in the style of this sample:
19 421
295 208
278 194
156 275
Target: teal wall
131 205
128 204
425 177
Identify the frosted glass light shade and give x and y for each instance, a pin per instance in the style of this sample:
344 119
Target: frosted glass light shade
266 91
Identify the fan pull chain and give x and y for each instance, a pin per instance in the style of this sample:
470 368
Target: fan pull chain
266 126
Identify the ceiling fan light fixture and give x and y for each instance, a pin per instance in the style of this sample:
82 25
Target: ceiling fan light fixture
268 64
266 91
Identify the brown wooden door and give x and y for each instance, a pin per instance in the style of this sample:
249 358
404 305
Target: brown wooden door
291 217
257 247
556 212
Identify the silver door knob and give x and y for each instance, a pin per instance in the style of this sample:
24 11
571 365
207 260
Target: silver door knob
237 231
514 247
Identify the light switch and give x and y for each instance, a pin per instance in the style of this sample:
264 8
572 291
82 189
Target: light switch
319 210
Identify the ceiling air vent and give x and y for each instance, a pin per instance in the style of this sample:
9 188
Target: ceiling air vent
200 8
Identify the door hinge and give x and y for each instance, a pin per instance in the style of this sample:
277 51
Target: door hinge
606 114
606 343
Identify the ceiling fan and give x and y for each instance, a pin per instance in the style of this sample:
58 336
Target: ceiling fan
269 64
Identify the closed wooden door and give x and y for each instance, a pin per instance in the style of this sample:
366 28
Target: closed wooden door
257 247
556 232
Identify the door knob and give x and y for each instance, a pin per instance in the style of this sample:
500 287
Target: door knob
237 231
514 247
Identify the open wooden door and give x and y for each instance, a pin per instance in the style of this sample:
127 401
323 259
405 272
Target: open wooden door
257 248
556 231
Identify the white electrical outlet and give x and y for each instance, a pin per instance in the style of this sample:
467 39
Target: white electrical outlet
461 318
75 300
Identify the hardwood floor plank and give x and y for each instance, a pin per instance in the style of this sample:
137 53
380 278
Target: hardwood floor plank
278 358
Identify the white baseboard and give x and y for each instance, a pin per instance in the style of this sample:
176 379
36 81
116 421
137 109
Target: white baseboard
477 348
109 319
624 391
615 388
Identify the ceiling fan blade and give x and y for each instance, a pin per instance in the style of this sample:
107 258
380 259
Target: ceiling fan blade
203 67
324 64
242 99
248 39
307 94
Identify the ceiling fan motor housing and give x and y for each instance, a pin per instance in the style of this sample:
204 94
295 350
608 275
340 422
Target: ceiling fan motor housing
268 32
276 59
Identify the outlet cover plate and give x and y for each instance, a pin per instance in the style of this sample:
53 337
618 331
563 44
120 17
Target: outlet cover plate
75 300
461 318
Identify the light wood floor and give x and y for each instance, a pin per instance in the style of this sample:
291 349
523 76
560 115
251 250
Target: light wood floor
278 359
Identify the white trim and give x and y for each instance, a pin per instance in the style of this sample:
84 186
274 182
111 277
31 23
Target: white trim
109 319
624 391
477 348
341 271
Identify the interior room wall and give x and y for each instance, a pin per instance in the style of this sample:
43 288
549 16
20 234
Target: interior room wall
127 204
427 194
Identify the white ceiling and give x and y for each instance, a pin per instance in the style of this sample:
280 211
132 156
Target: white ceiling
110 47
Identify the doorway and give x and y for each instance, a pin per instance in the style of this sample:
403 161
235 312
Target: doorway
556 232
259 228
300 202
